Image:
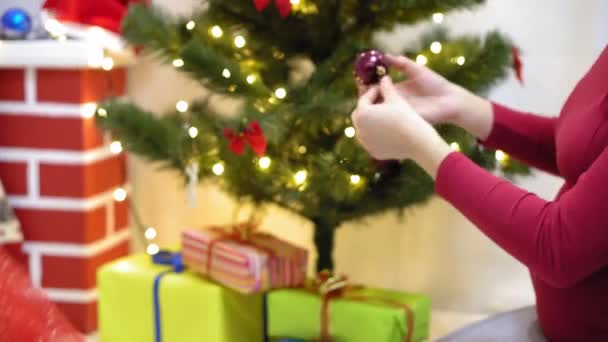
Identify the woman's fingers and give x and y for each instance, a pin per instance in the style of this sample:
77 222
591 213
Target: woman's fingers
369 97
405 65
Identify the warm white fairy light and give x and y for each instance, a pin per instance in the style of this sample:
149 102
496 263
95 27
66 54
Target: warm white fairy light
264 163
280 93
501 156
190 25
300 177
102 112
218 169
182 106
302 149
461 60
226 73
116 147
87 110
216 32
438 18
350 132
152 249
150 233
240 42
455 146
178 62
355 179
120 195
436 47
107 63
294 2
193 132
251 79
422 60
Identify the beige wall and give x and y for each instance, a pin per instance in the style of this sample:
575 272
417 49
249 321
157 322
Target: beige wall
433 249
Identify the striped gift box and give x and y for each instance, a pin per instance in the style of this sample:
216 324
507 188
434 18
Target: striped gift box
260 263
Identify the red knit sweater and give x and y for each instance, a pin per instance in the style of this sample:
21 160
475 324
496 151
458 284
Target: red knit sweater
563 242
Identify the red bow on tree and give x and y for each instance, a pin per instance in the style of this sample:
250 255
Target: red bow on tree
284 6
104 13
253 135
518 65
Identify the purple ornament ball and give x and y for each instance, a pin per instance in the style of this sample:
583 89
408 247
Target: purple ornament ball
371 66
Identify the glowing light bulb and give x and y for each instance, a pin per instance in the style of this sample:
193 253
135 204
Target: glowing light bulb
422 60
178 62
191 25
251 79
461 60
455 146
152 249
294 2
280 93
102 112
120 195
116 147
264 163
182 106
193 132
226 73
216 32
240 42
302 149
107 63
501 156
436 47
87 110
350 132
438 18
300 177
218 169
150 233
355 179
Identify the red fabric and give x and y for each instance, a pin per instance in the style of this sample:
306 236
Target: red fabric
104 13
564 242
253 135
26 315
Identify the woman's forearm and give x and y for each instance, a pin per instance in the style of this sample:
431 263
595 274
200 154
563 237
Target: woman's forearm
475 114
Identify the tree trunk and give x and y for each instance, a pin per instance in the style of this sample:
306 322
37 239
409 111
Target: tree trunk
324 242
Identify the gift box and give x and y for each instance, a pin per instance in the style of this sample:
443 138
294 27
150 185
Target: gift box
246 261
356 315
189 307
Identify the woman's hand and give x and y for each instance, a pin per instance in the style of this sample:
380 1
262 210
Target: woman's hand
392 129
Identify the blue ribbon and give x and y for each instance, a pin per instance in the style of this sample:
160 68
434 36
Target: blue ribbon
170 259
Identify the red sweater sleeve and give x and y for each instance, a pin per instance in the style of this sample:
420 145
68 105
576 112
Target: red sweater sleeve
526 137
562 242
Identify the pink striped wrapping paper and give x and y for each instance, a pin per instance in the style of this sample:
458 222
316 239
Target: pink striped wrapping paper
262 263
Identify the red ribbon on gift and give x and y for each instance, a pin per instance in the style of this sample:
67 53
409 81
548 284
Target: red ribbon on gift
283 6
252 135
104 13
332 287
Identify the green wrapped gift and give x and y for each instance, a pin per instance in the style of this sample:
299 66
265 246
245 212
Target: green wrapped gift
369 315
191 308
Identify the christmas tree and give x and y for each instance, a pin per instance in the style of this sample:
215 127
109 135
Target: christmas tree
290 63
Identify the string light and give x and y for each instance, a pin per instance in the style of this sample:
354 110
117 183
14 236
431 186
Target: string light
422 60
226 73
240 42
280 93
193 132
218 169
455 146
150 233
350 132
294 2
251 79
264 163
300 177
216 32
87 110
191 25
182 106
116 147
152 249
102 112
501 156
120 195
461 60
302 149
355 179
107 63
436 47
178 62
438 18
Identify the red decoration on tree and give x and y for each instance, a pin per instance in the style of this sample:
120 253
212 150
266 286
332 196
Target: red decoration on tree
284 6
104 13
252 135
518 65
